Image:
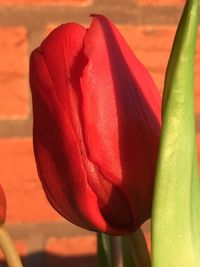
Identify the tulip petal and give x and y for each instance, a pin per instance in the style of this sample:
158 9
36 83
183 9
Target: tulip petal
60 153
96 127
121 116
48 146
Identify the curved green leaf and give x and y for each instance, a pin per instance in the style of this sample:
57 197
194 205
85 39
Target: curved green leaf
176 205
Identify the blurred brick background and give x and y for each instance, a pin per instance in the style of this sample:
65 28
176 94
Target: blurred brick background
42 237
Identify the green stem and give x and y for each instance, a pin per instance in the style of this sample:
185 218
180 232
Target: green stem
135 251
104 250
116 251
109 251
8 249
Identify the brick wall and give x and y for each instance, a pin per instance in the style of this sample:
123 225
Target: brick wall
42 237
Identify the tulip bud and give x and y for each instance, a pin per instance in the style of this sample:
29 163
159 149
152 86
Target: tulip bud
96 113
2 206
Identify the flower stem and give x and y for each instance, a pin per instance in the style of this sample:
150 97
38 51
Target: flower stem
109 251
8 249
116 251
135 251
103 250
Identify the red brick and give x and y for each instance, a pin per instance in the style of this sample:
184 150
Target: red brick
198 146
21 247
77 251
14 98
75 246
197 82
18 176
45 2
13 72
161 3
148 240
152 45
197 103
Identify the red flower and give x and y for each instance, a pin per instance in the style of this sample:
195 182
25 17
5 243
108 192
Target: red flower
2 206
96 127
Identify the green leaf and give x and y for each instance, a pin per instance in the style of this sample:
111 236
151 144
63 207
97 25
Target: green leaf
176 205
135 251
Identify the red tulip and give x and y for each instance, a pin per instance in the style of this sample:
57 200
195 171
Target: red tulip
96 127
2 206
